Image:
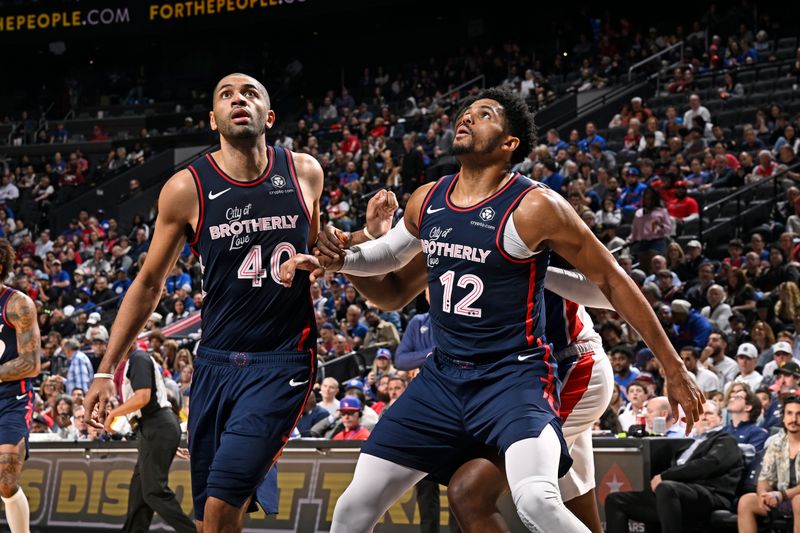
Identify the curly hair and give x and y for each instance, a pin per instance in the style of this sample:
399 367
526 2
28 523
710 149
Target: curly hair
7 256
518 117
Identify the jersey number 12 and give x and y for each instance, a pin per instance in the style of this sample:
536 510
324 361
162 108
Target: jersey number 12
251 265
463 306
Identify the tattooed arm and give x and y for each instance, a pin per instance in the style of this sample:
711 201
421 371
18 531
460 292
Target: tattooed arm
21 313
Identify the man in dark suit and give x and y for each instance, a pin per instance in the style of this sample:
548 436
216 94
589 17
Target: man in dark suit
703 479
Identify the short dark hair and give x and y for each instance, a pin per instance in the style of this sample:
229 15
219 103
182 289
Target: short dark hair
518 118
624 350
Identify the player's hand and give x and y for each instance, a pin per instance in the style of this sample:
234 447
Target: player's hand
332 242
182 453
380 212
316 265
683 390
96 401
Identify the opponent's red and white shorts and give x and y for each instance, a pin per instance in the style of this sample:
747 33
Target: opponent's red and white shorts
585 395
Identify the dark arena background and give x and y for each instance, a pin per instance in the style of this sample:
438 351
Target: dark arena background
690 108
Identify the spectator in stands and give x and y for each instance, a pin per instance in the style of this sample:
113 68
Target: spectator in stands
79 368
706 380
683 208
592 137
312 413
630 198
178 312
352 327
328 390
777 270
659 407
741 295
714 354
696 110
730 89
650 228
637 397
381 366
62 421
774 358
350 410
703 478
339 349
552 177
621 361
395 388
744 408
787 379
746 358
554 143
380 333
717 311
777 485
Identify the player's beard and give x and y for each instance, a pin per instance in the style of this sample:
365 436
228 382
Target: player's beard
252 130
470 148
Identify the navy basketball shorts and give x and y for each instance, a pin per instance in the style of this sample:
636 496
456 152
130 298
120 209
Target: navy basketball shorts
455 410
15 418
243 407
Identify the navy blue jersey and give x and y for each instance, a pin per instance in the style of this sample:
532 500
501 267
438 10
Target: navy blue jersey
483 301
8 349
244 232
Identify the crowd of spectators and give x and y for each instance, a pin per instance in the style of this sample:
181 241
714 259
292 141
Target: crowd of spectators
733 314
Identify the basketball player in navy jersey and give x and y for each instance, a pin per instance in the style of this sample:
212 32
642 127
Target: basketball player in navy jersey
20 355
491 379
244 209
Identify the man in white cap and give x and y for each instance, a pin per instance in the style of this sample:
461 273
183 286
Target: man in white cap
95 327
746 357
691 328
781 353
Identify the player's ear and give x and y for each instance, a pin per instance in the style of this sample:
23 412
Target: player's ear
270 119
511 143
212 121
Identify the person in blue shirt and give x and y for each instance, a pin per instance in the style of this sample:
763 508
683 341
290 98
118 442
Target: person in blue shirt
552 177
591 138
691 328
630 199
554 143
312 413
745 408
416 344
177 278
624 374
122 283
698 177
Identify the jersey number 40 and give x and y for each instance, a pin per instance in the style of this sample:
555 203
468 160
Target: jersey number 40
251 265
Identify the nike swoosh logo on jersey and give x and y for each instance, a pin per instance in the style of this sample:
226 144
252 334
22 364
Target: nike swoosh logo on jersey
212 195
431 211
523 357
21 396
293 383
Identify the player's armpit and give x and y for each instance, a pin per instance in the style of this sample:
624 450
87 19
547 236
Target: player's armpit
396 289
21 313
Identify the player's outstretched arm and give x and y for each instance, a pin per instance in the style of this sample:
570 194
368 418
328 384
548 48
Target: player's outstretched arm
544 219
574 286
21 313
177 208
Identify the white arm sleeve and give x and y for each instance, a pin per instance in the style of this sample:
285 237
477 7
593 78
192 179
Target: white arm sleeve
383 255
574 286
